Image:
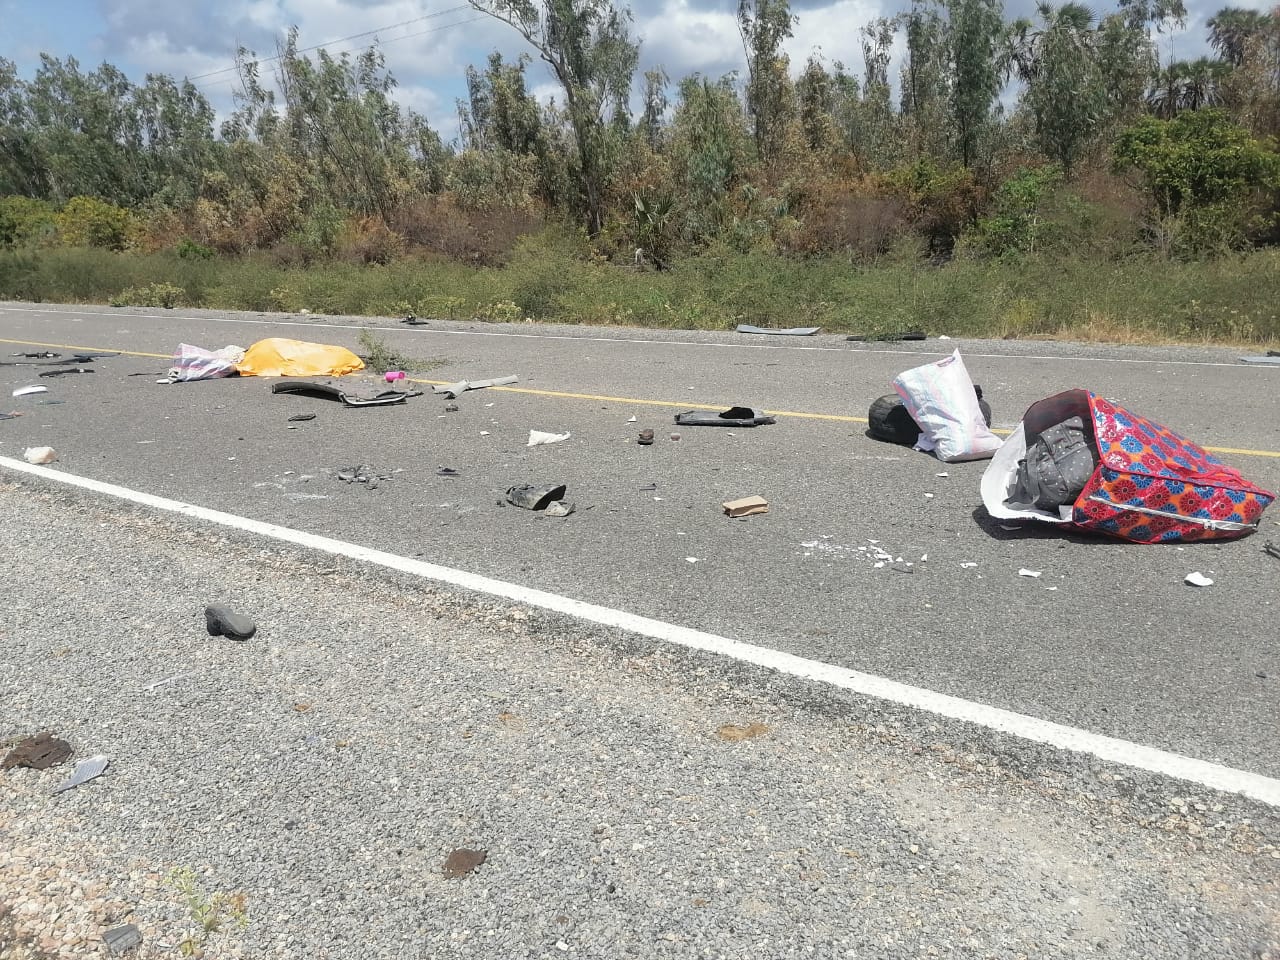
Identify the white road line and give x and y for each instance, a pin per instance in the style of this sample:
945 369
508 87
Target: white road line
1205 773
944 346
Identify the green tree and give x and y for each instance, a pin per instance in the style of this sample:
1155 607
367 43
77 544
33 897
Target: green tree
1232 29
764 25
977 38
1187 85
588 47
1064 83
925 79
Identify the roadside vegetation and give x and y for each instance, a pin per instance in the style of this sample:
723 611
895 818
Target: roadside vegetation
1116 198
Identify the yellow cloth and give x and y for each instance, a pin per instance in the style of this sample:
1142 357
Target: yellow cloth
277 357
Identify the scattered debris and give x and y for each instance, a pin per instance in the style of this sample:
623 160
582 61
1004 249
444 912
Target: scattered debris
301 417
1272 358
886 337
538 438
447 472
1271 550
413 321
530 497
167 680
785 332
736 734
393 375
559 508
631 419
746 506
733 417
649 487
645 438
39 455
123 939
65 370
967 566
453 390
220 621
450 408
40 355
10 416
327 391
691 559
944 473
675 436
28 391
361 473
1034 574
39 752
463 861
1198 579
88 769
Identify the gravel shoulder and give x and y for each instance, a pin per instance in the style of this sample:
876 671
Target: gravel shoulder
300 792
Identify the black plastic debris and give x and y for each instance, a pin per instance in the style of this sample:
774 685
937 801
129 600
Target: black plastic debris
123 939
40 752
733 417
531 497
413 321
66 370
300 417
889 420
221 621
887 337
327 391
447 472
39 355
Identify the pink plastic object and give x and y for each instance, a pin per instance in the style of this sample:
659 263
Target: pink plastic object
392 375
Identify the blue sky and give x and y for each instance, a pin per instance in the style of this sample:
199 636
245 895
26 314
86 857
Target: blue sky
428 43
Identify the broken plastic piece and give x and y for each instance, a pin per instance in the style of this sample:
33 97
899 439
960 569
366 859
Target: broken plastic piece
27 391
733 417
393 375
746 507
1271 550
413 321
39 455
1198 579
1024 572
559 508
447 472
1270 360
529 497
40 355
88 769
58 373
328 391
538 438
300 417
220 621
40 752
453 390
123 939
785 332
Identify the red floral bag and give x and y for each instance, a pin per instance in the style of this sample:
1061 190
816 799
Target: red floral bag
1150 485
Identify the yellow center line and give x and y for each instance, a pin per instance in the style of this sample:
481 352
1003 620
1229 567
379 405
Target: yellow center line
605 398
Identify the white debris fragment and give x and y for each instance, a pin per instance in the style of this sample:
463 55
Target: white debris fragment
631 420
928 496
538 437
1034 574
27 391
966 566
924 558
879 564
39 455
1198 579
942 474
691 559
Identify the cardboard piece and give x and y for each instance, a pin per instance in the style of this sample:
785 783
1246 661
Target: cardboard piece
746 507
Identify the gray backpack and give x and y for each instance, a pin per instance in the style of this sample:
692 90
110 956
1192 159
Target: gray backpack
1058 464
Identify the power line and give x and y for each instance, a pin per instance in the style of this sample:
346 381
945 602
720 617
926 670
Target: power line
354 36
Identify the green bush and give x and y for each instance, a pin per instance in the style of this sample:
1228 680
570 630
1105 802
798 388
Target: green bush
26 222
165 295
90 222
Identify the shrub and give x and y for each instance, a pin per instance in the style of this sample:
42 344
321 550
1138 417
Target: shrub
845 222
26 222
155 294
188 249
90 222
369 241
484 237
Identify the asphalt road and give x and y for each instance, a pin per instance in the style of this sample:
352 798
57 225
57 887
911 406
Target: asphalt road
1121 647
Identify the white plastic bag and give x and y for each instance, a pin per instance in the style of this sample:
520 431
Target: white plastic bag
196 363
940 398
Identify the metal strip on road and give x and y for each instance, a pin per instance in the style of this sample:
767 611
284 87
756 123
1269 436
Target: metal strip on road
602 398
1111 749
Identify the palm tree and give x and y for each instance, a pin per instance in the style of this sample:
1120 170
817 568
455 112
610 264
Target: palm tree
1231 29
1187 85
